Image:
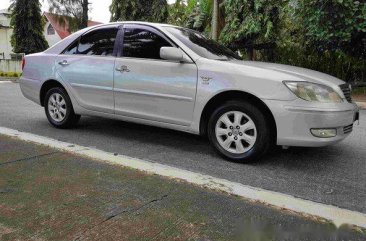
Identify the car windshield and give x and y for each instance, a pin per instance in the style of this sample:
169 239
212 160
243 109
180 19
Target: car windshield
201 45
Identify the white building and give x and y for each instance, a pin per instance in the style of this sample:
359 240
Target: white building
5 35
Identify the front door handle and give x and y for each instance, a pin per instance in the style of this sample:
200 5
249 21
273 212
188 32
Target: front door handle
122 69
63 63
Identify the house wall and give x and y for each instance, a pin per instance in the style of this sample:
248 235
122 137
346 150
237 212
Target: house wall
5 36
51 39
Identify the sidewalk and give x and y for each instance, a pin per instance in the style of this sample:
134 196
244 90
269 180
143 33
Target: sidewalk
360 100
50 195
362 105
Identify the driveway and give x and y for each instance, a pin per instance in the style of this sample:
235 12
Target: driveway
333 175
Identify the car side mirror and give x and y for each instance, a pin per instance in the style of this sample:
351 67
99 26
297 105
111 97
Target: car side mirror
171 53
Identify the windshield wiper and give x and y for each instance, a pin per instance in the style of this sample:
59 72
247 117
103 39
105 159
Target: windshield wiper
222 59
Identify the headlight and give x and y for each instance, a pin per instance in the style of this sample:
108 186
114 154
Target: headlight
313 92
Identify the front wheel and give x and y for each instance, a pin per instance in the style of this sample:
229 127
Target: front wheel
59 110
239 131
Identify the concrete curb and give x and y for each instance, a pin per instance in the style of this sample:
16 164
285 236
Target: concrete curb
12 79
334 214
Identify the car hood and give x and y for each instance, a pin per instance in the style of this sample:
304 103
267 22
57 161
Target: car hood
288 72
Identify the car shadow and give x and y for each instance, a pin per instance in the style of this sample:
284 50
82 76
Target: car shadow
148 135
294 157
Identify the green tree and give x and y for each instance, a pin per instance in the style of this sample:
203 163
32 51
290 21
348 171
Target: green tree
215 19
178 12
326 36
139 10
27 22
252 24
200 16
73 12
335 25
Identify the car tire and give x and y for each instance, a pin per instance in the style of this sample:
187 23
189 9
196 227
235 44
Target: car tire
239 132
59 110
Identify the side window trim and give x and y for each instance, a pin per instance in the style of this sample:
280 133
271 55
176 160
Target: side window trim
119 41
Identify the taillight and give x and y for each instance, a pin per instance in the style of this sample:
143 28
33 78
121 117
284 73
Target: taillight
23 63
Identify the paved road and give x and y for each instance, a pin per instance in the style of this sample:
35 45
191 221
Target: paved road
333 175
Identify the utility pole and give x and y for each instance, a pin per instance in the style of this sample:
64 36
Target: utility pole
84 21
215 20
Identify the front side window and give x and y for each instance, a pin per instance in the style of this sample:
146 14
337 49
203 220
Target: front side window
141 43
99 42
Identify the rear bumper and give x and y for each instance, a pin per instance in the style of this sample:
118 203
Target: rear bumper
294 122
30 89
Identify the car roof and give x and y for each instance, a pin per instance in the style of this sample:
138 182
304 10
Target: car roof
138 22
60 46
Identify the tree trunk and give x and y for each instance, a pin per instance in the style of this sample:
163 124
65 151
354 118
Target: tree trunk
215 20
85 18
250 53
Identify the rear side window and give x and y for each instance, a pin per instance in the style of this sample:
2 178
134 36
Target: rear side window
99 42
142 43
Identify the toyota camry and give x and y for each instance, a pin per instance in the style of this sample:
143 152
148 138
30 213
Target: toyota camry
173 77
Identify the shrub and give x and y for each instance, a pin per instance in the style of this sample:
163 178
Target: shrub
10 74
336 63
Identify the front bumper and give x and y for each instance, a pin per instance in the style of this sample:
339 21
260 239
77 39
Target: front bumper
295 119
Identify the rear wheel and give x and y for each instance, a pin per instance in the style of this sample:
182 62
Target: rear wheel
239 131
59 110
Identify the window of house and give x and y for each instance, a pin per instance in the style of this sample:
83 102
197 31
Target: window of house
50 30
141 43
99 42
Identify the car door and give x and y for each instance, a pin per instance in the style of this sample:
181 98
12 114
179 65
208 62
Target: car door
88 67
148 87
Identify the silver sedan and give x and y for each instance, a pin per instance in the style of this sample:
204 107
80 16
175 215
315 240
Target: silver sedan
172 77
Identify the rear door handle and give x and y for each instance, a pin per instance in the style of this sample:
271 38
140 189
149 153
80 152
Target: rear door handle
122 69
63 63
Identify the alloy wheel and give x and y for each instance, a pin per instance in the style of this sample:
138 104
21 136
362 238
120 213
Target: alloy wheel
57 107
236 132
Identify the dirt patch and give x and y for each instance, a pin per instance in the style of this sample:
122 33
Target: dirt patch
359 97
7 211
5 230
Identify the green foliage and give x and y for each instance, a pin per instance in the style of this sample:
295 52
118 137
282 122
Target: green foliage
201 15
299 44
139 10
73 12
359 91
180 11
26 20
336 63
251 24
335 25
10 74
